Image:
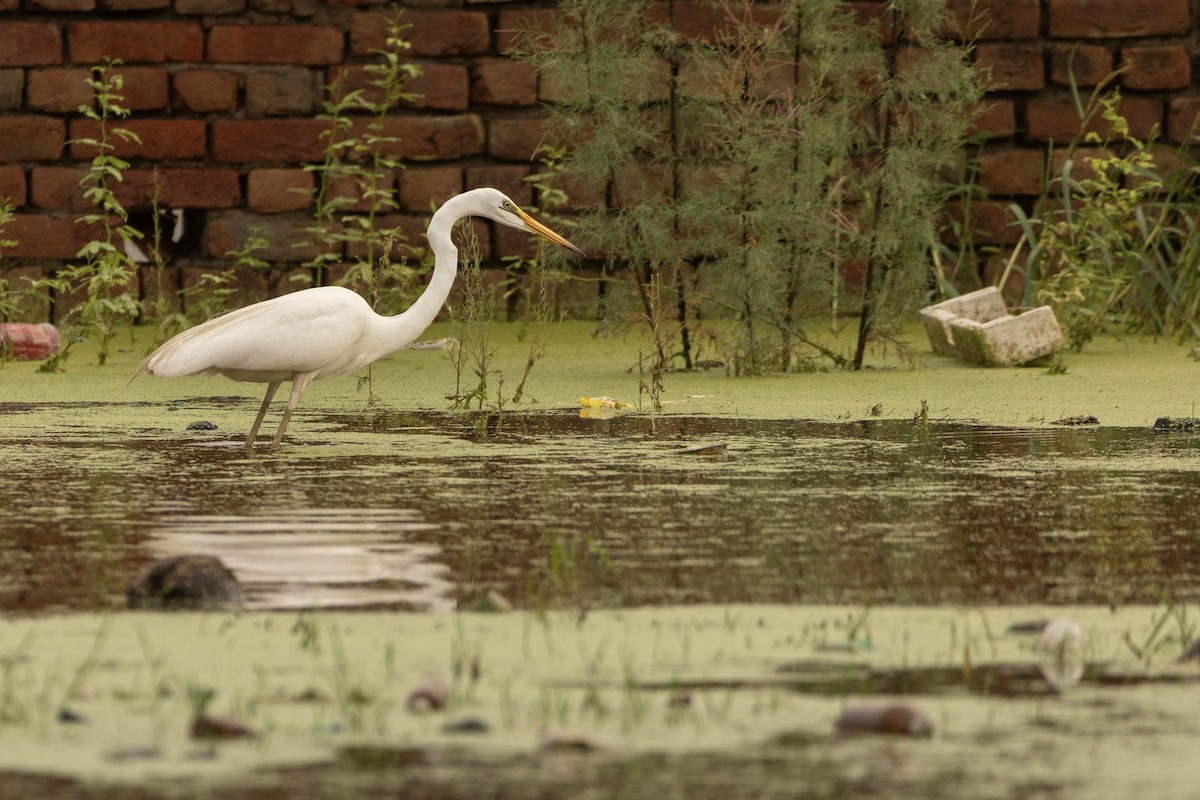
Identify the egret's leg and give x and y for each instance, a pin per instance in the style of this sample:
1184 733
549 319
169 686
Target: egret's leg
299 384
262 412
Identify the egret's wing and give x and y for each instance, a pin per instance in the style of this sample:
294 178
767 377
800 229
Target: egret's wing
299 332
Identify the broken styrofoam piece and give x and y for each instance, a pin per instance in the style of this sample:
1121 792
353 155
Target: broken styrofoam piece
28 341
977 327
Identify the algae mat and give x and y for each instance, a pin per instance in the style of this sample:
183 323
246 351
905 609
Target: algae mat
667 702
1122 382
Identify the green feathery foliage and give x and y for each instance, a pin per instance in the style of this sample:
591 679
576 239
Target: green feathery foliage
746 172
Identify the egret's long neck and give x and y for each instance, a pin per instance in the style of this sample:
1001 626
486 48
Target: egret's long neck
404 328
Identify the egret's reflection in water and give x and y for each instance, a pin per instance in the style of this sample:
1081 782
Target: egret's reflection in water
318 558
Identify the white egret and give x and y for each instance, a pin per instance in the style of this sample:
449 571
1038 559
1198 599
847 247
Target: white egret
328 330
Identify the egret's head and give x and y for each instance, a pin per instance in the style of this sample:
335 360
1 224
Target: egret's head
502 209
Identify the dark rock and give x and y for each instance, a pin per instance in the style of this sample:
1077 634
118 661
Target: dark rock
186 583
211 727
467 725
69 717
431 695
895 719
1029 626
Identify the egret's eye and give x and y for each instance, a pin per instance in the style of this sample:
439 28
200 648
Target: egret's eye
506 205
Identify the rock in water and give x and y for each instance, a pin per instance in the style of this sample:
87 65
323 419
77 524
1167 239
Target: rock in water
896 719
186 583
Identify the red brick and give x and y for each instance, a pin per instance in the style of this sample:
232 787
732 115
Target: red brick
515 139
509 179
1183 121
12 89
514 27
60 89
1057 119
144 87
161 139
997 117
420 186
181 187
997 19
64 89
281 93
410 237
134 5
441 86
1004 173
440 138
40 236
285 235
91 42
1111 19
12 185
267 140
29 44
1156 67
31 138
433 33
582 193
502 81
63 5
205 90
273 190
993 220
1087 64
445 89
700 21
58 189
349 192
1012 66
509 242
210 7
275 44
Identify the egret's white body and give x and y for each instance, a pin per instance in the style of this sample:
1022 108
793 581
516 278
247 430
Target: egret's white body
329 330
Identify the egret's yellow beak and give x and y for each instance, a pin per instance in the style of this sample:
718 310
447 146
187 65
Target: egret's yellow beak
544 232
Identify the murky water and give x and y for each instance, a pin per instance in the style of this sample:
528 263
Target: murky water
428 511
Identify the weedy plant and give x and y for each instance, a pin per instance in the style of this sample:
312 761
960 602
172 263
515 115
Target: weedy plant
106 276
471 321
355 183
1114 238
529 282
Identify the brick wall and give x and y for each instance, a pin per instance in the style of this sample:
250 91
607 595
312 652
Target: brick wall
225 93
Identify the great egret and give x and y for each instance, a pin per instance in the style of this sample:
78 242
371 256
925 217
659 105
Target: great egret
328 330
